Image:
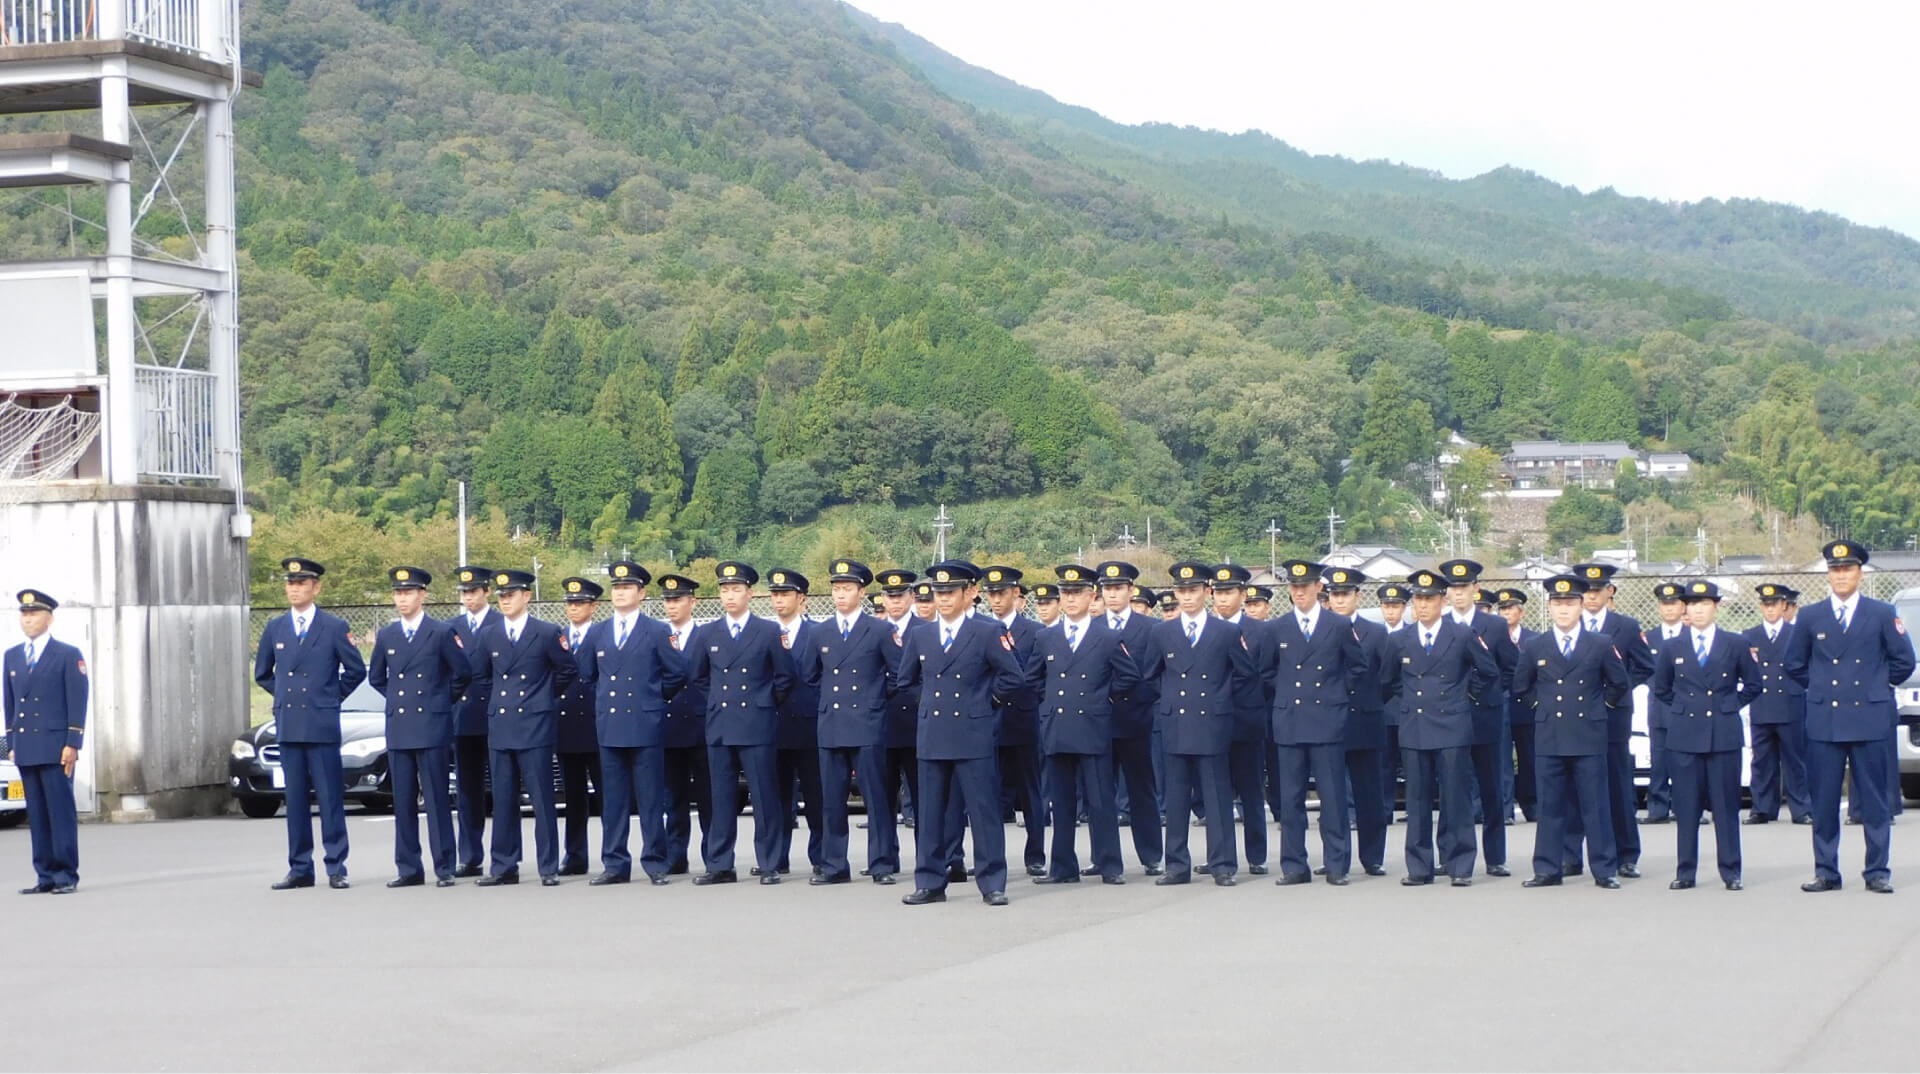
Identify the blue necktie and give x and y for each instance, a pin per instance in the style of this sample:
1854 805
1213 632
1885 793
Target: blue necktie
1566 645
946 638
846 629
1426 640
409 633
33 656
300 629
620 634
1845 615
735 627
1700 649
1073 637
1193 634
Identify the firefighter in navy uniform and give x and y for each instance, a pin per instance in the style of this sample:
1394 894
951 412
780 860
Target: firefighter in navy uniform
1489 710
1366 722
1135 739
422 668
957 666
578 742
1511 605
1019 749
531 669
1564 681
1673 613
46 710
746 672
1252 712
1849 652
1779 716
903 765
797 739
1598 616
633 669
1438 668
1314 663
308 662
474 583
684 740
1704 678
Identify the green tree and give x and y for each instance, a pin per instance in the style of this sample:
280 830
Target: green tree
792 489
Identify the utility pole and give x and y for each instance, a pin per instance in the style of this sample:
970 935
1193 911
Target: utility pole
463 522
1333 520
941 524
1126 538
1273 547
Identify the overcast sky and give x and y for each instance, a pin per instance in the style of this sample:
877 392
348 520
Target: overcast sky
1815 105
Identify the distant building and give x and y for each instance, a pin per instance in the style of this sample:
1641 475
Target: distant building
1744 564
1376 561
1671 465
1532 464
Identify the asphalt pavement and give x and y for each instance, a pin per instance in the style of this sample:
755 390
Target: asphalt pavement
175 955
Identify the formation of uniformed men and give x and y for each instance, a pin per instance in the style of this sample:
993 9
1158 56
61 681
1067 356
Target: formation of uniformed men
953 716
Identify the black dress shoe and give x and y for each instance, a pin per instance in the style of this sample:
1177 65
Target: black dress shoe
576 869
818 870
957 875
1091 870
1036 870
994 898
407 881
285 883
1116 879
609 878
1735 885
1607 882
1803 820
1375 870
1820 884
1288 880
467 871
1541 882
1338 880
338 882
1155 870
824 880
1320 870
923 896
1072 879
1751 819
1169 880
768 879
1630 870
658 880
1680 885
68 889
886 878
678 869
1571 868
1415 881
1224 880
718 876
1463 881
1877 885
445 882
1668 819
550 880
1853 820
42 889
1257 870
497 880
1498 870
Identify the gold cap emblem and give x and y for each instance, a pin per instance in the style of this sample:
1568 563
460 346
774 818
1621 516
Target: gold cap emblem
573 587
294 565
779 577
1073 575
1340 576
1699 587
729 570
1840 550
620 571
466 576
1299 569
1562 586
1593 572
401 575
501 579
940 576
1459 569
29 597
670 583
1113 570
993 576
841 567
1186 572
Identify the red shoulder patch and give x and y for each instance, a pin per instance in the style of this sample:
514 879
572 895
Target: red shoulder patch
83 667
457 641
1006 642
563 642
1898 626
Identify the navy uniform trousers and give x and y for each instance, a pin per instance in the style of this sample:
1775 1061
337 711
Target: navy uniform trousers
1451 769
314 768
868 764
636 779
1570 787
689 792
1204 774
760 766
533 770
54 824
973 784
1084 777
1780 770
416 773
1328 763
1827 767
1706 781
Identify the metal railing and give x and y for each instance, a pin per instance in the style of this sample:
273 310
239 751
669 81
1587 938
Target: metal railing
187 25
176 409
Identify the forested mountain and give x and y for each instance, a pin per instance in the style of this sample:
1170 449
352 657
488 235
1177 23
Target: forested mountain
677 276
1816 272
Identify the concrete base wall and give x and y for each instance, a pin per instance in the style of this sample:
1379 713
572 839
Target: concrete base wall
154 591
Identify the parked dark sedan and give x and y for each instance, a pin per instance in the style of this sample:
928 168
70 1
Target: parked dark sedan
256 779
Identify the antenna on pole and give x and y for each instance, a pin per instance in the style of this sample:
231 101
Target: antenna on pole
1126 538
941 524
1273 546
1333 520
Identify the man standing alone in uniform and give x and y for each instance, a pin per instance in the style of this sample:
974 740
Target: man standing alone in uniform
421 668
46 710
1849 652
309 664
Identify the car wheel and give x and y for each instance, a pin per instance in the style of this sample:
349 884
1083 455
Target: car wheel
260 808
1910 786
